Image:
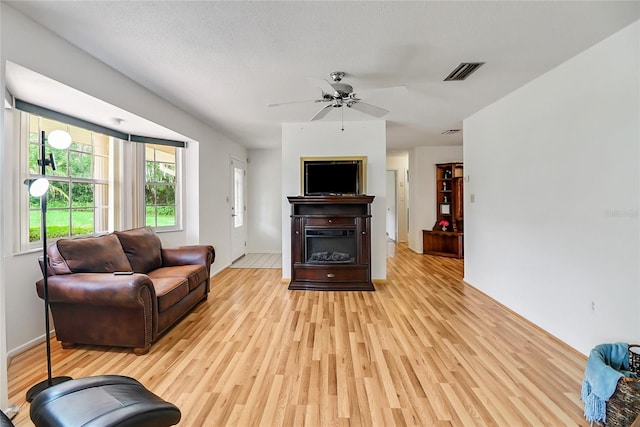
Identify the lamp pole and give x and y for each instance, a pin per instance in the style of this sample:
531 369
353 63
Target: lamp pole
43 162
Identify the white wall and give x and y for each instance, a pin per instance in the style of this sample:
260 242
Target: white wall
554 170
400 164
317 139
207 178
422 188
3 317
213 194
264 201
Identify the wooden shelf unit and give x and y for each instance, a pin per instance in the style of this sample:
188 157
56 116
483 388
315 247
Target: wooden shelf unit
447 240
449 192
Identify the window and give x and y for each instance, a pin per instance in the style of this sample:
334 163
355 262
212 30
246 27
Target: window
78 201
160 201
106 180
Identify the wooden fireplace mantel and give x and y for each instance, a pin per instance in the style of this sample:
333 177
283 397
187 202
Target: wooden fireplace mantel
336 218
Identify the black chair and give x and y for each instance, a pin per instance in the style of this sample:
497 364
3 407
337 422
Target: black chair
101 401
5 421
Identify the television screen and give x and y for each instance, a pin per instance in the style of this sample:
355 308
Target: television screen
331 177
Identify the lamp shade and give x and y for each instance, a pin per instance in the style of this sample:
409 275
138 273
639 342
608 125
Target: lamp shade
38 187
59 139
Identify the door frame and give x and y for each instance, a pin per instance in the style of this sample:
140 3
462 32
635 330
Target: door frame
237 240
395 203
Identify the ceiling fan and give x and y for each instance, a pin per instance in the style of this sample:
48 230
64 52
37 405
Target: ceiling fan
337 94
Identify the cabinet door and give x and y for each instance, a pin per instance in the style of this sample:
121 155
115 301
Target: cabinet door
458 199
365 250
297 246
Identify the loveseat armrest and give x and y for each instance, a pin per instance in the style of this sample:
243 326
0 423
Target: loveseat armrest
188 255
100 289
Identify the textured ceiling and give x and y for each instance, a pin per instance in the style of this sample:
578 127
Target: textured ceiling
224 62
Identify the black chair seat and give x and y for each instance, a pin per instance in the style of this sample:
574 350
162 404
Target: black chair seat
102 401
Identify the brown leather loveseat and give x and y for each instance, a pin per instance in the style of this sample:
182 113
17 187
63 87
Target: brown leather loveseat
92 304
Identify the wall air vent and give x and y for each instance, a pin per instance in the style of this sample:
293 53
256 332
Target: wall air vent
463 71
450 131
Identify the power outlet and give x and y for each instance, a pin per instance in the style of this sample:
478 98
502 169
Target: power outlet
593 306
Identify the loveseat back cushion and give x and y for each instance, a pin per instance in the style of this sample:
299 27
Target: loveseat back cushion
101 254
142 247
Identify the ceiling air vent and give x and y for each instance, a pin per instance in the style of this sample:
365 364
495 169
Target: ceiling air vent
463 71
450 131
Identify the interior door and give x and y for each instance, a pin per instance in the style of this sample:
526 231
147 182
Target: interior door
392 222
238 209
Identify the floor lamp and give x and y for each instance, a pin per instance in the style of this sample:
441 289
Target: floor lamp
38 188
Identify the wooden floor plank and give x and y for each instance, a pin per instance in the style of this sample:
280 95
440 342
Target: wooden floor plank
424 349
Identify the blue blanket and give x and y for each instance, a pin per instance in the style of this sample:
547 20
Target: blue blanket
606 365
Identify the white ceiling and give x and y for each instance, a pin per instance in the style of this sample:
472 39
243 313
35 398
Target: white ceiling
224 62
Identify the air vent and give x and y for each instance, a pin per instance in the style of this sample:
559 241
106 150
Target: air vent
463 71
450 131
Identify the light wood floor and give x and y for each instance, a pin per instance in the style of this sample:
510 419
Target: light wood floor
424 349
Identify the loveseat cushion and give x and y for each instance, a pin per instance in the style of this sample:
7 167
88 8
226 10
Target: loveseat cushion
142 247
101 254
169 291
195 274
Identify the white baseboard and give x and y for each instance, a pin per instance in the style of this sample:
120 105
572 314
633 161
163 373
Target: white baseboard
26 346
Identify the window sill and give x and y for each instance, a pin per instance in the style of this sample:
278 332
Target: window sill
167 229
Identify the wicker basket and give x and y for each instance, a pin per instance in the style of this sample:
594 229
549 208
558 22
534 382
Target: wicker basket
624 406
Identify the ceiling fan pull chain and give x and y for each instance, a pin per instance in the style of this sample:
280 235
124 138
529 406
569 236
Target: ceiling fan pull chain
342 111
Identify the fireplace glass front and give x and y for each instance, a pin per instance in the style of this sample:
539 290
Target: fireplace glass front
330 246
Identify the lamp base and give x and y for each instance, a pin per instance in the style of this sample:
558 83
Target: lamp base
41 386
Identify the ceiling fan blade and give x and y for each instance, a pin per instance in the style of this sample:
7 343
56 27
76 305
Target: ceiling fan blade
322 84
369 109
294 102
320 114
386 91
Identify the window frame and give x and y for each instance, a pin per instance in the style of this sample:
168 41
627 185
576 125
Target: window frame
178 186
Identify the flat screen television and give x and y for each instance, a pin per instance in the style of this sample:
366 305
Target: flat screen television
340 177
